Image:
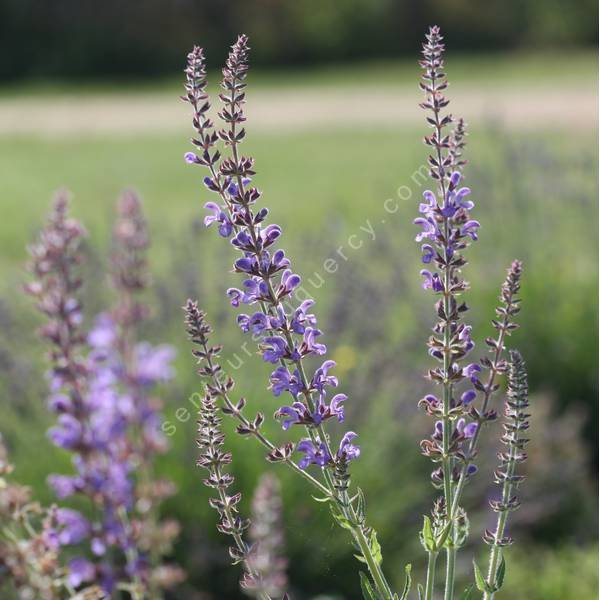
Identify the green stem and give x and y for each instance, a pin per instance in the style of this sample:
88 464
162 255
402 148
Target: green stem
496 549
450 565
429 585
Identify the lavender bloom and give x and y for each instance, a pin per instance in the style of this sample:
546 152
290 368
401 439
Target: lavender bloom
95 409
137 368
448 228
269 279
289 335
266 533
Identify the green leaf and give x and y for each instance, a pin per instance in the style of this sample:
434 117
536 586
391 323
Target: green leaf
361 504
427 535
323 500
420 591
340 519
367 589
500 574
361 558
467 594
482 584
375 548
443 536
407 582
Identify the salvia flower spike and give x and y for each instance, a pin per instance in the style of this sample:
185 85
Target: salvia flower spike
516 426
496 365
447 230
287 329
98 400
215 460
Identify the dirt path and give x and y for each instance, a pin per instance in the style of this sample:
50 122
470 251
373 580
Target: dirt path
299 109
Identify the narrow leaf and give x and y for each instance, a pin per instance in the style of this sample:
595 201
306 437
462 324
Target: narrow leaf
323 500
420 591
407 582
443 536
366 587
500 574
375 548
427 535
481 583
467 594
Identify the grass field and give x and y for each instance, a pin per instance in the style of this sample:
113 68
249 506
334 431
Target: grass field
536 196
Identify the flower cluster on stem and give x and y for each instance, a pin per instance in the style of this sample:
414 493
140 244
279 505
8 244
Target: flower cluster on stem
287 330
92 393
140 367
447 230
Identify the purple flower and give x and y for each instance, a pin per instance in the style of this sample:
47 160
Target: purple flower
281 381
65 486
104 332
313 455
191 159
73 527
428 253
301 319
429 229
291 415
68 434
309 346
347 450
218 216
153 363
470 228
289 282
321 378
468 397
432 281
258 323
274 348
80 571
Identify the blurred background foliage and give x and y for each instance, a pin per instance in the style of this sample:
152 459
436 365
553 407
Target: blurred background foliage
70 38
534 180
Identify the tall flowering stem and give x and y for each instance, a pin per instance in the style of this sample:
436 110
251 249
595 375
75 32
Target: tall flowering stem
212 458
266 533
516 425
96 409
139 367
288 333
447 231
496 365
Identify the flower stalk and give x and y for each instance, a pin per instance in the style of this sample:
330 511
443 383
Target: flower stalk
287 334
515 426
